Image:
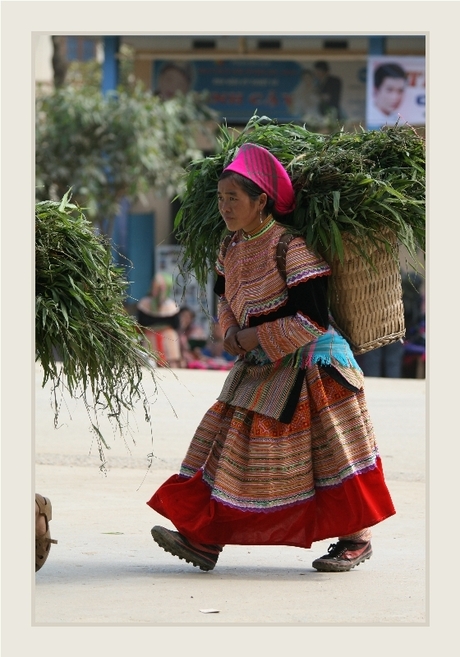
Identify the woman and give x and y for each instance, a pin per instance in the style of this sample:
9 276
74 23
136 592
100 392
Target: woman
287 454
158 314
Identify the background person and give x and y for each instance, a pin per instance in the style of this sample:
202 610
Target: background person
191 336
395 360
304 98
329 90
386 361
158 315
287 454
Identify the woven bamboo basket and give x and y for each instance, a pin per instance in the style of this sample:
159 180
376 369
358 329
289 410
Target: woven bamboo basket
366 303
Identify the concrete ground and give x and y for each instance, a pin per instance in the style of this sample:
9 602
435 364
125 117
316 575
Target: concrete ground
106 569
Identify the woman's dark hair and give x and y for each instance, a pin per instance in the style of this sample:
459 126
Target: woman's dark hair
391 70
251 189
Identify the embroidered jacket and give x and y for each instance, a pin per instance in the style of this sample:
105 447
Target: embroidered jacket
291 317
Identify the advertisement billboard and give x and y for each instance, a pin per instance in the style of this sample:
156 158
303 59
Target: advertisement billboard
283 90
395 91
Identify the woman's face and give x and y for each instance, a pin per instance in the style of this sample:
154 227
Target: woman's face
237 208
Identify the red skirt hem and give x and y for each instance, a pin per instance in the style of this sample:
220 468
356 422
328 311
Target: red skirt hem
357 503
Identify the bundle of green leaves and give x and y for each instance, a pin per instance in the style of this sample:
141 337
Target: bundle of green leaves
364 187
84 339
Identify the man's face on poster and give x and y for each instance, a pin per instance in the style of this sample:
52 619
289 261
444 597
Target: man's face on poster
171 81
389 95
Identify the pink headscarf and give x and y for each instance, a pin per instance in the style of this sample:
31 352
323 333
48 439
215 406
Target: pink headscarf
260 166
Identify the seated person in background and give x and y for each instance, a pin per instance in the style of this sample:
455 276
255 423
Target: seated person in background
191 336
158 315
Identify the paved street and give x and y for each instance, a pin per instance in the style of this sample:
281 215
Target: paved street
106 569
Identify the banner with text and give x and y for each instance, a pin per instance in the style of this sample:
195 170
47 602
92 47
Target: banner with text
283 90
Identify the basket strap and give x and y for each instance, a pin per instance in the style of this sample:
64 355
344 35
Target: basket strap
225 243
281 250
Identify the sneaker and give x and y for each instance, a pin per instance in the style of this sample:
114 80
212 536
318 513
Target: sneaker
343 556
204 557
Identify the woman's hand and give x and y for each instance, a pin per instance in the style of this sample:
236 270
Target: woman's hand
238 341
230 343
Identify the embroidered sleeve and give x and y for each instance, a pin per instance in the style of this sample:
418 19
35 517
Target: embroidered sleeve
306 277
225 315
286 335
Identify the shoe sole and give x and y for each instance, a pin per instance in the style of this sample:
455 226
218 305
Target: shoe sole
169 544
331 567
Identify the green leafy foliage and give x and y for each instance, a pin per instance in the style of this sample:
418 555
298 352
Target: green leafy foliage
362 187
79 315
119 145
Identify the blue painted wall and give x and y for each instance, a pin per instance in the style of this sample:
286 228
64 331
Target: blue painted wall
141 253
134 250
134 234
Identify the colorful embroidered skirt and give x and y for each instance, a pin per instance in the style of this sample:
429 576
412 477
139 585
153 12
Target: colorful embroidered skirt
249 479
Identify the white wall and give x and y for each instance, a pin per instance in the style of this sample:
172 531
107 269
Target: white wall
42 59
